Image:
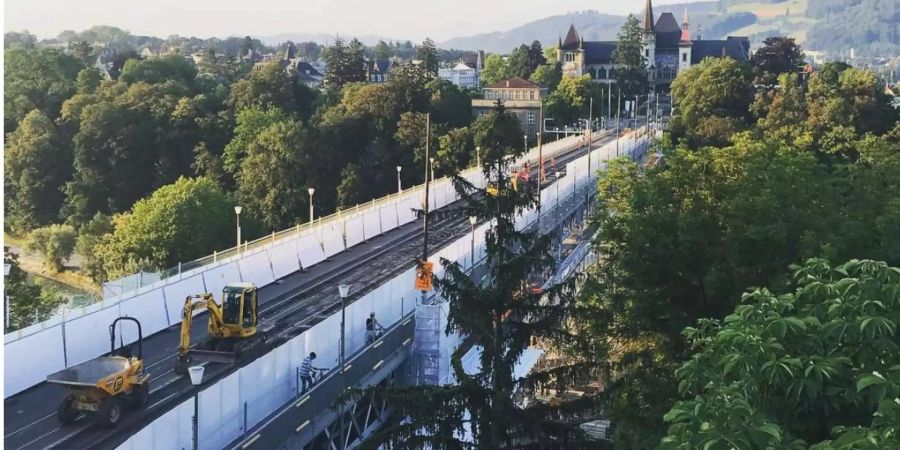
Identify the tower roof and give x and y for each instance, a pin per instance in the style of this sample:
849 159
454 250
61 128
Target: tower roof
572 41
648 17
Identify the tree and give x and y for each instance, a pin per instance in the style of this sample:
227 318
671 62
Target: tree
712 101
448 104
55 243
250 123
535 56
457 150
37 79
840 95
785 109
814 365
267 87
631 65
482 403
778 55
548 75
19 40
572 99
349 191
88 80
161 69
275 173
411 134
81 50
36 166
338 65
357 58
28 303
90 234
178 222
381 51
427 54
495 70
519 62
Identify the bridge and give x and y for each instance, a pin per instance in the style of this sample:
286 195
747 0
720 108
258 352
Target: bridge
248 404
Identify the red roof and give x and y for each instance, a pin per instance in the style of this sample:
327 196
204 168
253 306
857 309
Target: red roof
514 83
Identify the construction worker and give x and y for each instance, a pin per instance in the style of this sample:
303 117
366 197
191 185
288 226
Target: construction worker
306 369
373 329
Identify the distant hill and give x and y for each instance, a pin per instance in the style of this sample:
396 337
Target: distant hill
870 27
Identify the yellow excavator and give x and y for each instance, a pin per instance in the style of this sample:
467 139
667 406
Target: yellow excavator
232 327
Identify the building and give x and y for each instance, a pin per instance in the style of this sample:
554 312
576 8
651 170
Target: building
467 73
668 49
520 97
378 71
106 63
308 75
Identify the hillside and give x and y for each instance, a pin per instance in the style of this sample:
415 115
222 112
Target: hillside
833 26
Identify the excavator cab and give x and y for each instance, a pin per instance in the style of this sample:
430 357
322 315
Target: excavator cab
238 310
232 327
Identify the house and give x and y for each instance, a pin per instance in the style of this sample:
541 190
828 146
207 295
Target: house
520 97
308 75
667 47
467 73
147 52
378 71
106 63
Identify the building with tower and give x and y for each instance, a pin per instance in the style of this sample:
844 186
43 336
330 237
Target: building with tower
668 47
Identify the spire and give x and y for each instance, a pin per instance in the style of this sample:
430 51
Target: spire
648 17
685 29
559 45
572 41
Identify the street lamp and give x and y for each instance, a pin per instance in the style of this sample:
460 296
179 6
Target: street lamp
473 220
196 374
431 161
237 213
6 268
478 156
311 192
526 142
343 291
399 186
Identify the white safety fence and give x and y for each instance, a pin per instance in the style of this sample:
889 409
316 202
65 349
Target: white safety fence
268 383
77 336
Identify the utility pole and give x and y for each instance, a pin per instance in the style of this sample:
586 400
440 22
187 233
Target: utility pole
618 114
590 144
540 176
427 187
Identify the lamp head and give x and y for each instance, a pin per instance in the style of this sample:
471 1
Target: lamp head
237 210
399 168
344 290
473 220
312 191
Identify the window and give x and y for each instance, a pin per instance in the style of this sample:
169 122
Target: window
647 53
684 57
570 57
532 95
530 117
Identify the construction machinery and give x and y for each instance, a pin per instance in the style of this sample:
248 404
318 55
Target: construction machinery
232 327
102 386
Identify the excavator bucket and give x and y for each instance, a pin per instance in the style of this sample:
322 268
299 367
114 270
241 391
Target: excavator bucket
211 356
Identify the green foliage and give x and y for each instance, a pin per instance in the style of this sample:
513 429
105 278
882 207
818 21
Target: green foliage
88 80
457 150
572 98
268 87
89 235
19 40
525 59
55 243
712 101
159 70
778 55
36 164
28 303
495 70
844 96
483 402
548 75
178 222
427 55
344 64
793 369
38 79
631 71
349 192
276 173
250 123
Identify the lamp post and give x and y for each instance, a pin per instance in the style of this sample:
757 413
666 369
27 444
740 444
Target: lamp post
526 142
343 290
311 192
237 213
473 220
431 162
6 268
399 186
478 156
196 374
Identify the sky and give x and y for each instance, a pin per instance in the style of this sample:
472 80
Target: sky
396 19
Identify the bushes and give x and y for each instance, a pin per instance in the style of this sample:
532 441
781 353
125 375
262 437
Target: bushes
55 243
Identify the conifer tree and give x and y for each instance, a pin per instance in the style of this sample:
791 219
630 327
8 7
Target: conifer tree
631 65
501 315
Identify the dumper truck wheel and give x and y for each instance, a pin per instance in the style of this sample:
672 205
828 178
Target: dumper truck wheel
66 413
109 412
139 395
